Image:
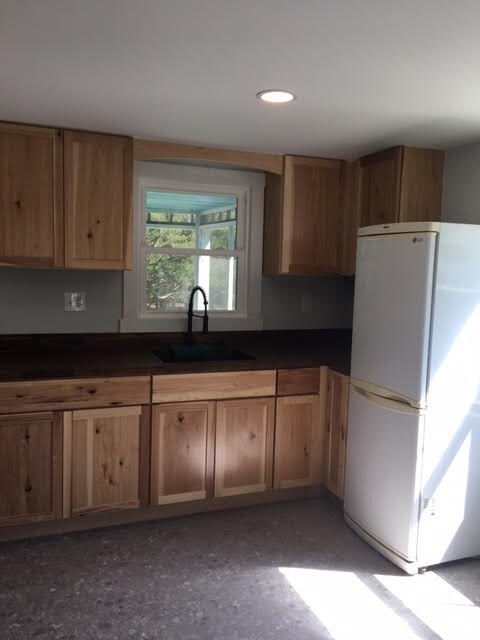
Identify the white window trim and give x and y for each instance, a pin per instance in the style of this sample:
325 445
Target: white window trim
248 187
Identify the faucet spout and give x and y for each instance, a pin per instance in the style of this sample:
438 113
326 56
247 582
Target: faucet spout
191 315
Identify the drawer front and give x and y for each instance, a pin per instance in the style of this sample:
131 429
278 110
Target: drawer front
213 386
51 395
292 382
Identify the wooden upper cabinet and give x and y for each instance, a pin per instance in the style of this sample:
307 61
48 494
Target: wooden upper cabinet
31 196
402 184
98 184
349 218
381 187
65 198
302 212
421 186
30 468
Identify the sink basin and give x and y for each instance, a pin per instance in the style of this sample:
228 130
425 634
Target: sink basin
177 353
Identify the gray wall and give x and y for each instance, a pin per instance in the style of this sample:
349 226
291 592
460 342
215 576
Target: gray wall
31 301
461 188
330 299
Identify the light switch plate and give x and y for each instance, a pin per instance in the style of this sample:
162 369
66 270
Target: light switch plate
75 301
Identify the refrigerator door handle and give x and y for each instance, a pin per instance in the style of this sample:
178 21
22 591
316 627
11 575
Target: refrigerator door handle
386 393
385 403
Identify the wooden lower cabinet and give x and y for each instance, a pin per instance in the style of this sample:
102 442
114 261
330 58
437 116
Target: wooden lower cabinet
182 452
30 468
336 436
56 464
244 446
105 460
299 440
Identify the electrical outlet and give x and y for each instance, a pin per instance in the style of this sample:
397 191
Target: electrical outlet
75 301
307 303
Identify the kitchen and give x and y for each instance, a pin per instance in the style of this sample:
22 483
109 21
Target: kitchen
300 371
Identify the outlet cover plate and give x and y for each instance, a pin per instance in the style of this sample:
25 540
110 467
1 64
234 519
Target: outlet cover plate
75 301
307 303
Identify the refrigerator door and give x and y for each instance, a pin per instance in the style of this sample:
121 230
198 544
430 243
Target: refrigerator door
391 321
383 469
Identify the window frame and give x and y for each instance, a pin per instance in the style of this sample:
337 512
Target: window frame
247 187
240 252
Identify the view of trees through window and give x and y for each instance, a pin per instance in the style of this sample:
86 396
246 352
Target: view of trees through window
190 239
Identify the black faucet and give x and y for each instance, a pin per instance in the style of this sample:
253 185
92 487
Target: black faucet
189 336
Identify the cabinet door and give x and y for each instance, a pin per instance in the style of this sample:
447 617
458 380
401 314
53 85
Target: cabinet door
98 184
105 459
30 468
31 196
337 411
422 184
380 187
299 438
182 452
350 217
243 446
311 208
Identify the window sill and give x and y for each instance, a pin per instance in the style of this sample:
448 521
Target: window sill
178 323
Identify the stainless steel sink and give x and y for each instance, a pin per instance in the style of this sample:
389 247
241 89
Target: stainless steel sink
184 353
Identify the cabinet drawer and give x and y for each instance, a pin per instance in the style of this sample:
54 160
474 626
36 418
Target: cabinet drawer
49 395
212 386
291 382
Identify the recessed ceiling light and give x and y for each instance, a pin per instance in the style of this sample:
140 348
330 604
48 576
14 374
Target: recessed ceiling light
276 96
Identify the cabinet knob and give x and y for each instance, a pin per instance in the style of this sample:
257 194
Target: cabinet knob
17 204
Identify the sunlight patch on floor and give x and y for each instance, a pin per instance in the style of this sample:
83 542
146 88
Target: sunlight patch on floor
346 606
349 608
439 605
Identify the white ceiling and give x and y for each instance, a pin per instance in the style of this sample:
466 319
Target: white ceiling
369 73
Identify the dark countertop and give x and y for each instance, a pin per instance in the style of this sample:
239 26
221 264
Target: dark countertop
105 355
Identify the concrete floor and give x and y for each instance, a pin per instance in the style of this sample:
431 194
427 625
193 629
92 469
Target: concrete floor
285 571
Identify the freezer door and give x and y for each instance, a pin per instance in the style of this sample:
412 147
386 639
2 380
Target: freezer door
391 320
383 469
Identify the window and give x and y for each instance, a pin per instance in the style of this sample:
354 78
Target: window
194 226
191 239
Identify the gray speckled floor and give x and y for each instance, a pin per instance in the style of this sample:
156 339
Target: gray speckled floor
217 576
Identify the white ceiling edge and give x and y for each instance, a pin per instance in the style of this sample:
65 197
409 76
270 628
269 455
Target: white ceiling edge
368 75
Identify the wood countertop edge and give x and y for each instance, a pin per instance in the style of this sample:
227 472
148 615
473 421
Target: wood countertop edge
169 369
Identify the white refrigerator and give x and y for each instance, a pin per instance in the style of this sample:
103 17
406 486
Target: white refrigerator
412 484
